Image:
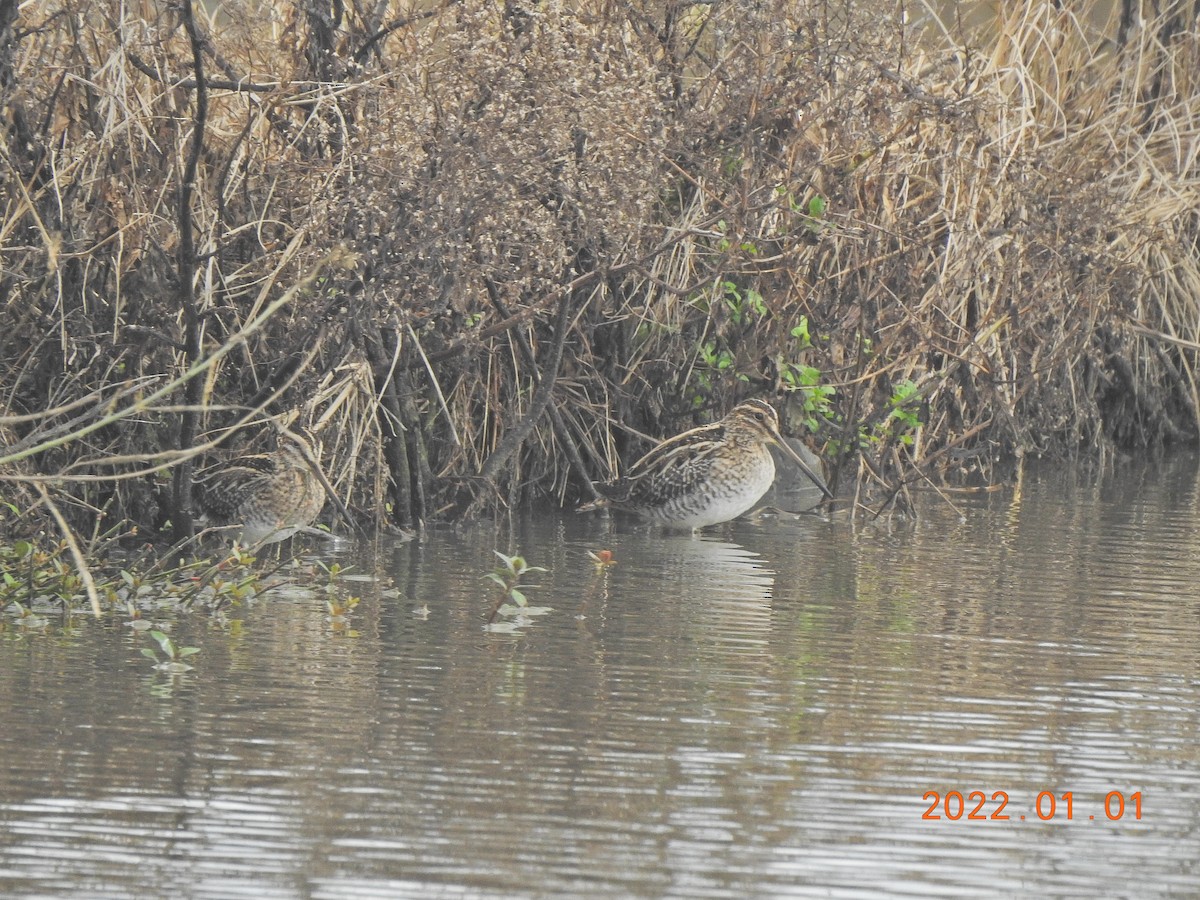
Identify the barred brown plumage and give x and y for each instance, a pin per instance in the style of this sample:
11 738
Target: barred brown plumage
706 475
272 496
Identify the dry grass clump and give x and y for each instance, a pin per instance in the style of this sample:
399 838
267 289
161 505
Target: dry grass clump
487 249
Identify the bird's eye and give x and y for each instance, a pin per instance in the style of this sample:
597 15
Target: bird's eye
759 416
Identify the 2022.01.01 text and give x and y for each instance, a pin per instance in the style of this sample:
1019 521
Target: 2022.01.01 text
975 806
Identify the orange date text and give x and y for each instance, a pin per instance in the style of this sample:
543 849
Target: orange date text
979 806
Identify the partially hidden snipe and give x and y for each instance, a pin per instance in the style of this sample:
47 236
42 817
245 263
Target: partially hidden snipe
707 475
272 496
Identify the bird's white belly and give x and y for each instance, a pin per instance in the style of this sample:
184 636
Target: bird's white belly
719 502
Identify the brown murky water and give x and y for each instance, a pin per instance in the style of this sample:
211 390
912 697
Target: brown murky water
761 711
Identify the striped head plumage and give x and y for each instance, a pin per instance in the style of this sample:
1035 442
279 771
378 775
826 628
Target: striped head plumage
271 496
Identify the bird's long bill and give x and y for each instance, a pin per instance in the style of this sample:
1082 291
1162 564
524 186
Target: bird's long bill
804 467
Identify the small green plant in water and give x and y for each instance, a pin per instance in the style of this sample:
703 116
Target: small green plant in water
136 622
174 657
37 576
340 609
508 576
26 618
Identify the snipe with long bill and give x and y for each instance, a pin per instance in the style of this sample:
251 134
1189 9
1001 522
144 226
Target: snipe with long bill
272 496
706 475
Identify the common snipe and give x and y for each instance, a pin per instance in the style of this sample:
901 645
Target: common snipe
272 496
707 475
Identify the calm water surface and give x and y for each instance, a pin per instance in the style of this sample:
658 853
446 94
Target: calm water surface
755 712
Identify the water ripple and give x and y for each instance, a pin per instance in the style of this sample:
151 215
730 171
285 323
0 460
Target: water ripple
759 711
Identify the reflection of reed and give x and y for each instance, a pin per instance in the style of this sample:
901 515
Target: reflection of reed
1063 612
710 717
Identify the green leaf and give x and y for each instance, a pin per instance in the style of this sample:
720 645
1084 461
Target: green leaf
800 332
517 597
164 642
187 651
147 652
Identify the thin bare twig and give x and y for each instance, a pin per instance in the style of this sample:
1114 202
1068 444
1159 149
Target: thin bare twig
81 565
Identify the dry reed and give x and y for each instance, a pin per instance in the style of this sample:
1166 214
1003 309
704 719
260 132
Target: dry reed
490 249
